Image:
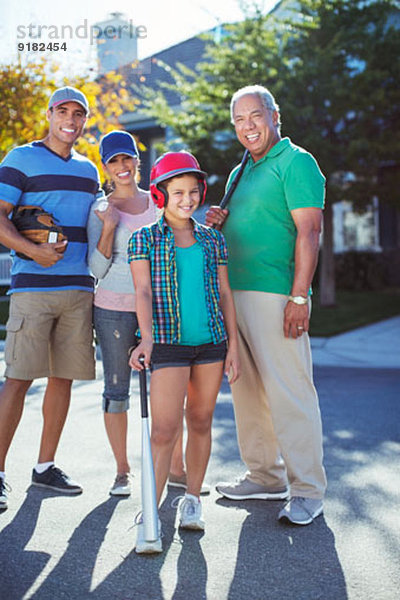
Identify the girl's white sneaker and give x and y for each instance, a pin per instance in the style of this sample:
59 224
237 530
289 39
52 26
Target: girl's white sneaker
190 513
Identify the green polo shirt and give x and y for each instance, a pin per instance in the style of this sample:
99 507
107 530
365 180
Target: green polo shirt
260 231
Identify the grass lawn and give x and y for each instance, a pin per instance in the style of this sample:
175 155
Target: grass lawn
352 310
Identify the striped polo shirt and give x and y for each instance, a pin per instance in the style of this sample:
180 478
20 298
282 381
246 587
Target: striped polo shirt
66 187
156 243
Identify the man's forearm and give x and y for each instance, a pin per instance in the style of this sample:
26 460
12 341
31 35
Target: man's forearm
306 259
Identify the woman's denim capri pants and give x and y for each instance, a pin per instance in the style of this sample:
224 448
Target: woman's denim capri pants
115 332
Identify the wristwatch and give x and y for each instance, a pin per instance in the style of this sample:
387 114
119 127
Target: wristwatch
298 299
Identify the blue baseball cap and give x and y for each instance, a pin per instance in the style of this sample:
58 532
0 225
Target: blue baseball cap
68 94
117 142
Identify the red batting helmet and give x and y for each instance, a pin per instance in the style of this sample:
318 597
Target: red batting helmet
170 165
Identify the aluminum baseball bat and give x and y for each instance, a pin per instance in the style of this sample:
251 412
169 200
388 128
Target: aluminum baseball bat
149 499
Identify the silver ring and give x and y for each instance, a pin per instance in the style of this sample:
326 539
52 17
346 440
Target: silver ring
298 327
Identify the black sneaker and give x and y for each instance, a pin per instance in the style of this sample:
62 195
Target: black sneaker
4 489
55 479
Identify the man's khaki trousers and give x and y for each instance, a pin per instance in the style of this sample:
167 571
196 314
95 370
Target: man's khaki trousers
276 404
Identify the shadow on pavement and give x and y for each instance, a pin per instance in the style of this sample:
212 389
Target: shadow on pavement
191 568
276 560
72 576
138 577
361 445
20 567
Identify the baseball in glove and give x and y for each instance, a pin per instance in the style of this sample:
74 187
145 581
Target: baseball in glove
37 225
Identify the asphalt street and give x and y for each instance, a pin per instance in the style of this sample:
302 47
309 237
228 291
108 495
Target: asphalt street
55 547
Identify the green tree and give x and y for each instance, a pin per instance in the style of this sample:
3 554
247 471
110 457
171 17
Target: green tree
333 66
342 102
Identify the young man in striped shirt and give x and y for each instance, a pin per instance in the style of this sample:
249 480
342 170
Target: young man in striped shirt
49 331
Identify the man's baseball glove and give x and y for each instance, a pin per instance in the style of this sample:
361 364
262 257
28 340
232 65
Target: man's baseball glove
37 225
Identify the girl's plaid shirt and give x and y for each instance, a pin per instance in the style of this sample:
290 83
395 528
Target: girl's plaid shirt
156 243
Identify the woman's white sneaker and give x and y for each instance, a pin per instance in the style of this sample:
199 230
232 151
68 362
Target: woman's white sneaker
122 485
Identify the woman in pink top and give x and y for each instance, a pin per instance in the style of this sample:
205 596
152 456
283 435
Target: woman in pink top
112 220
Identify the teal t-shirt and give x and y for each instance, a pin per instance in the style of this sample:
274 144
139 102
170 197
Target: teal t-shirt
192 296
260 231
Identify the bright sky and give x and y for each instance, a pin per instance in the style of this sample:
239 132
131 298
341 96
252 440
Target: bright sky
165 23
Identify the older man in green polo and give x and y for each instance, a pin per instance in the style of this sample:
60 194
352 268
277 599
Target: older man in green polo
272 229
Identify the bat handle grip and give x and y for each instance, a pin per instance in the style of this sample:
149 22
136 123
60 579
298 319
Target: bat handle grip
223 203
143 389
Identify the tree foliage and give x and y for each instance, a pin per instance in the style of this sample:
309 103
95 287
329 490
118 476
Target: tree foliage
25 90
343 103
343 98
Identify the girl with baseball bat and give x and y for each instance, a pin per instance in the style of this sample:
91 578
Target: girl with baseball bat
187 323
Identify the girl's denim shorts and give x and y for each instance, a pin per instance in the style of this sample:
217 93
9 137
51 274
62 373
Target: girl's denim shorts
178 355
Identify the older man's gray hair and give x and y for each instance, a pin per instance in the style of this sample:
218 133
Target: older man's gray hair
267 99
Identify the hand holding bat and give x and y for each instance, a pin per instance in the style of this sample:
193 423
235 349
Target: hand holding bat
148 540
140 356
215 217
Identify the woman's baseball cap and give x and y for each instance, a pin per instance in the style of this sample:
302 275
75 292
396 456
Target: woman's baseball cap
68 94
117 142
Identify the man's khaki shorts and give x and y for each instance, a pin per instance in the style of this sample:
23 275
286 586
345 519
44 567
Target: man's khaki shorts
50 334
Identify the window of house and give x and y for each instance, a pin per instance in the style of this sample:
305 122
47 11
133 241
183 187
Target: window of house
353 230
